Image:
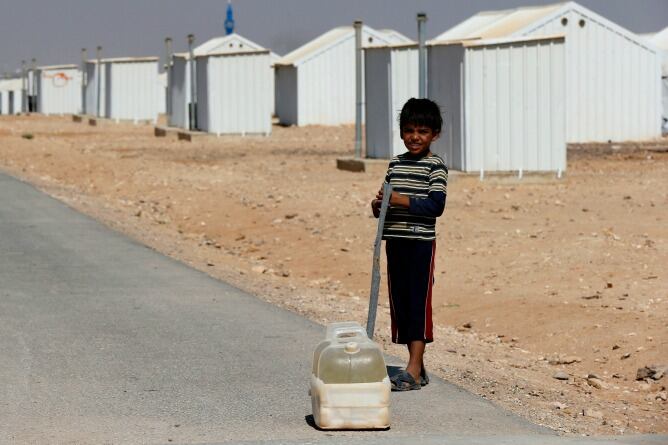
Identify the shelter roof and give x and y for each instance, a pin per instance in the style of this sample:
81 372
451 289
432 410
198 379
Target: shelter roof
395 46
525 20
395 37
125 60
186 56
658 39
332 37
11 84
234 43
58 67
472 43
227 53
493 24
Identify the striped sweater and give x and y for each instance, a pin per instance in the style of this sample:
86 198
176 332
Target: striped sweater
424 180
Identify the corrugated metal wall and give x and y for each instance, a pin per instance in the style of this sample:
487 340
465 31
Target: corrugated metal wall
131 90
234 93
612 81
59 91
11 95
11 100
4 102
18 101
514 107
91 90
31 88
326 85
272 83
446 87
405 84
378 104
664 99
15 101
391 78
179 90
286 94
162 94
202 77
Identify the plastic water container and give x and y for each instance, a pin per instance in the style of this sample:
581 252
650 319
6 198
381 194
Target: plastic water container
350 388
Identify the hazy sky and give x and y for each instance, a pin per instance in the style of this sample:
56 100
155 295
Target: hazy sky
54 31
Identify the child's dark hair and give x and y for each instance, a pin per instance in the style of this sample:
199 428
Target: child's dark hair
421 112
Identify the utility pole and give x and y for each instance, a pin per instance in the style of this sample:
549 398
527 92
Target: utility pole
422 54
98 82
168 74
24 87
193 90
33 87
84 56
358 88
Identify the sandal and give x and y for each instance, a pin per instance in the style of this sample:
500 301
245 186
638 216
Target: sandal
424 378
404 382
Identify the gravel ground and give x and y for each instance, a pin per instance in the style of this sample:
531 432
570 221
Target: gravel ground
550 293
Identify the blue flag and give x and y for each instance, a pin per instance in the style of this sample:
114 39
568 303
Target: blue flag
229 19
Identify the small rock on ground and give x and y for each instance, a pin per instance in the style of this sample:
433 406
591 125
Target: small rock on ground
560 375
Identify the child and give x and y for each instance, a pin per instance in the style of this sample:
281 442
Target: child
419 179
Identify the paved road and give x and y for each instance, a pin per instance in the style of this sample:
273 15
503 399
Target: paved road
103 340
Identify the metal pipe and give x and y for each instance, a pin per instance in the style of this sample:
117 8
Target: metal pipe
375 266
84 56
168 52
33 86
358 88
193 90
98 82
168 74
422 54
24 86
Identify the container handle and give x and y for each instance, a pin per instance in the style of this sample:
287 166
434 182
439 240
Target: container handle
346 330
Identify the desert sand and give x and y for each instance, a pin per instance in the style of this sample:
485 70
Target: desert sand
536 278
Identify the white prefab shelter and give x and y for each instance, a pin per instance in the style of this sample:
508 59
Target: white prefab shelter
131 91
612 75
179 78
58 89
315 83
235 43
391 77
11 96
234 93
503 103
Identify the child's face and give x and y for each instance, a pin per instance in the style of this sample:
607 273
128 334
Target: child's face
418 138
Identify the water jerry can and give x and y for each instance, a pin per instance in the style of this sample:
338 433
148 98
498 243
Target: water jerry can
350 388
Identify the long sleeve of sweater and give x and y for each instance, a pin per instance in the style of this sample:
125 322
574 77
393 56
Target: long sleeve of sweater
432 206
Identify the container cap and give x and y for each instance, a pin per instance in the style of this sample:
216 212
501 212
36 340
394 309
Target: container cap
352 347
